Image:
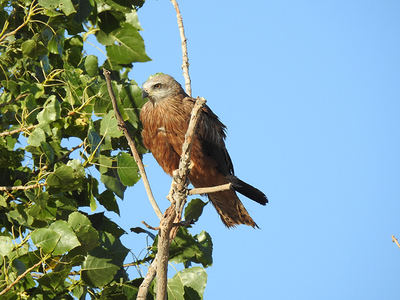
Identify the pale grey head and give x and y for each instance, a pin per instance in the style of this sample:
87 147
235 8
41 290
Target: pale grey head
160 87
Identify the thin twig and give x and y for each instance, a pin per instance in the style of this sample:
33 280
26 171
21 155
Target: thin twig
178 196
150 227
32 12
17 130
138 262
22 276
185 59
21 187
210 190
38 275
144 286
131 143
394 240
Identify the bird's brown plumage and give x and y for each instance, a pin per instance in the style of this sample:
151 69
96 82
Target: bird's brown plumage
165 118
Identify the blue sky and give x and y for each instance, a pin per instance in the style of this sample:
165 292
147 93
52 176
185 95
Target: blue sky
309 91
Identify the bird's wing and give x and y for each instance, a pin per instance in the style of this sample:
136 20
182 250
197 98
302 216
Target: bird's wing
211 134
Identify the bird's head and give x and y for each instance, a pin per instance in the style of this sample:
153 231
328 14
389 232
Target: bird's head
161 86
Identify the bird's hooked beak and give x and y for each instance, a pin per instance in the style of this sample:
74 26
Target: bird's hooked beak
144 94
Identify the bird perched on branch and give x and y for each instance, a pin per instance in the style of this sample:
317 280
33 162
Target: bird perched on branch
165 119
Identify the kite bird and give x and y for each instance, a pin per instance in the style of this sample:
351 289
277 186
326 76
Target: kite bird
165 119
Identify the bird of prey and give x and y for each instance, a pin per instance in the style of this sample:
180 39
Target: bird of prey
165 118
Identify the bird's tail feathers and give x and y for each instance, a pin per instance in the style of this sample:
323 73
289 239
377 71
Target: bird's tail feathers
247 190
231 209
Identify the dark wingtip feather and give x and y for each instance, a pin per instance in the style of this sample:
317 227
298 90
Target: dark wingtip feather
247 190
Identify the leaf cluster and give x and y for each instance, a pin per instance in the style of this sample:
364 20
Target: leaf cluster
61 152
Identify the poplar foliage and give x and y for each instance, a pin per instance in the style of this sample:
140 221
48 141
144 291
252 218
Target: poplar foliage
54 106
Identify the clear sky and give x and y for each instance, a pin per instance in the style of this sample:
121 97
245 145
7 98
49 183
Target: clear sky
309 91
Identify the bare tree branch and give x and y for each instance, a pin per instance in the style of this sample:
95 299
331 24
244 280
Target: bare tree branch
212 189
131 143
17 130
21 187
185 59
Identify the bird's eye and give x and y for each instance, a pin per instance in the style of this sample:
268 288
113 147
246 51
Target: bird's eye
157 86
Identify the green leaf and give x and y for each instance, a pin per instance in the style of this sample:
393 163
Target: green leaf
33 49
94 141
123 290
6 245
206 246
102 223
79 292
91 65
48 151
50 112
56 43
109 125
109 20
77 166
108 200
46 239
67 177
187 284
98 272
129 47
28 47
113 184
81 225
127 169
65 5
105 162
43 209
36 89
93 204
132 18
19 266
187 248
54 282
194 209
62 177
3 201
37 137
68 238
